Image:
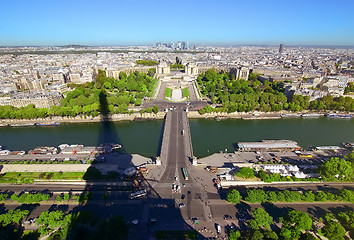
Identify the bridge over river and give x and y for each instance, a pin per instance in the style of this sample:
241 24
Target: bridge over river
177 153
176 148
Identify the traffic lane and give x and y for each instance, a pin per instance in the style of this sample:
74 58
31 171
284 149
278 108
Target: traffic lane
163 104
59 188
169 172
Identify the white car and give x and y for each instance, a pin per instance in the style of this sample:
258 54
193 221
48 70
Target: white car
181 205
135 222
218 228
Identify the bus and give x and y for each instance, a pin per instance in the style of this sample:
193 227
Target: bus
185 174
139 193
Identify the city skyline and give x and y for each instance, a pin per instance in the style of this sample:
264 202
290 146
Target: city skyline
104 23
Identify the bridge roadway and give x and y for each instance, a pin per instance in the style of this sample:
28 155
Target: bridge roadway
177 153
173 151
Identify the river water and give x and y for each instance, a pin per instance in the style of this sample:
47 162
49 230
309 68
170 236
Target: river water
208 136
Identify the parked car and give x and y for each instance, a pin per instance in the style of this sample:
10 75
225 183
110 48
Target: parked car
218 228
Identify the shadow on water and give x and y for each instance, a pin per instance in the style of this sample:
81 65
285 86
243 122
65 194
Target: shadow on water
100 213
105 210
160 139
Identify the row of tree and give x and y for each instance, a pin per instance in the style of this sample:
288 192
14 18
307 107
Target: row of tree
30 197
58 225
294 225
261 196
244 96
146 62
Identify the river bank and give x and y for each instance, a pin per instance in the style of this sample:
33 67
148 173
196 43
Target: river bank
161 115
85 119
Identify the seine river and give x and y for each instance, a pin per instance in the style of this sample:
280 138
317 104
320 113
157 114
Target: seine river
208 136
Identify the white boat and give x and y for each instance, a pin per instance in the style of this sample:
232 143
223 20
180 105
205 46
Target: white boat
22 124
290 115
332 115
311 115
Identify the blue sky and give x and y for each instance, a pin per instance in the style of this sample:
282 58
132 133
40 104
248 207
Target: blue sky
210 22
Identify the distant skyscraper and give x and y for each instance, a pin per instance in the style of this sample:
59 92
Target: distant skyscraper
183 45
281 48
179 45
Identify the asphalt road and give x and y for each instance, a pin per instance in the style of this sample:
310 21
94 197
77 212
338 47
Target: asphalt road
176 158
163 104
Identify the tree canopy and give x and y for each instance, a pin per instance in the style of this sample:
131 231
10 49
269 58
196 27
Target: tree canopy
234 196
85 98
247 95
261 219
336 169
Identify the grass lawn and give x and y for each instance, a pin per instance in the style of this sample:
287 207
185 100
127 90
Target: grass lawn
168 92
18 177
185 92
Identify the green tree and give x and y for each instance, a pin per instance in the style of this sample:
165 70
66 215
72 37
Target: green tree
234 196
59 198
247 172
66 197
308 196
294 223
299 220
55 220
234 234
347 220
336 168
347 195
333 230
321 196
261 219
13 216
270 235
155 109
257 235
255 195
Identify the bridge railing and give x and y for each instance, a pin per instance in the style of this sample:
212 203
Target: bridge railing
188 137
165 138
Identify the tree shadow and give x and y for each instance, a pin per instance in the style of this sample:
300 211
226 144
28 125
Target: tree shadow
161 138
275 211
2 208
344 208
29 207
243 210
61 207
316 211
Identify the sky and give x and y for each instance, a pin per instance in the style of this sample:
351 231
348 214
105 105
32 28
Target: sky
144 22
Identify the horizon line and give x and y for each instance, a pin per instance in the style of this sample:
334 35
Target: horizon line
197 45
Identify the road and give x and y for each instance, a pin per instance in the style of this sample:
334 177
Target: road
176 158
